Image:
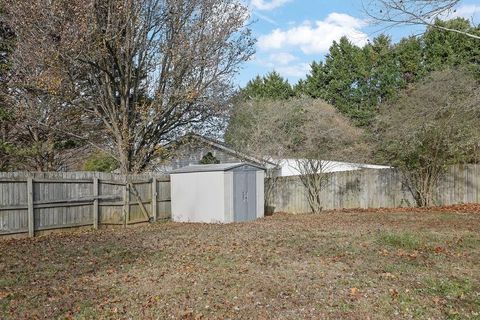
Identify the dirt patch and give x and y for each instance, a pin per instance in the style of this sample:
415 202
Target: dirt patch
349 264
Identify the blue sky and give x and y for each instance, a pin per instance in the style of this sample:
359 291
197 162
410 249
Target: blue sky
293 33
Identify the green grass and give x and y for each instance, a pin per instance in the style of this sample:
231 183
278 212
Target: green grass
400 240
219 261
86 312
410 305
449 288
6 282
4 304
469 242
401 266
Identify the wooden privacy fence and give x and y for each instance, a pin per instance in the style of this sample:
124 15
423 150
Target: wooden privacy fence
31 202
373 189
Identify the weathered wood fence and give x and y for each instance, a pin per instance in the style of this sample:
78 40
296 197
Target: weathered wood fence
374 189
31 202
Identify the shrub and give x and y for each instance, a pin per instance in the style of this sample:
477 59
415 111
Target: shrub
209 158
100 162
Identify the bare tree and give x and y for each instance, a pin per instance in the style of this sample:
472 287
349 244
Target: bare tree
36 145
431 127
265 129
7 40
328 137
315 176
414 12
38 109
147 69
308 130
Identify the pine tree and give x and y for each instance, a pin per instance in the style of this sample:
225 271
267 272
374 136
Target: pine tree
446 49
380 73
271 86
340 80
356 80
409 55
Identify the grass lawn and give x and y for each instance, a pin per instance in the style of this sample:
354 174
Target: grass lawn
349 265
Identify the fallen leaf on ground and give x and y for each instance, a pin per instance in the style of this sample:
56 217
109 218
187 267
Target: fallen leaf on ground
393 293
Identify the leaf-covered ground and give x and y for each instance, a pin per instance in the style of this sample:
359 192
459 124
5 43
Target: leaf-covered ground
349 265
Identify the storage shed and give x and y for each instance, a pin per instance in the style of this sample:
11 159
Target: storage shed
217 193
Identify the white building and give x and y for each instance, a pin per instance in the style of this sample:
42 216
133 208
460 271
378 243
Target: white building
290 167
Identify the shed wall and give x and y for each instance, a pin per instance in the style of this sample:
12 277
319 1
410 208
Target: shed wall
198 197
228 188
260 194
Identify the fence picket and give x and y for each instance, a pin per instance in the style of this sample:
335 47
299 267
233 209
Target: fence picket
375 189
30 202
31 217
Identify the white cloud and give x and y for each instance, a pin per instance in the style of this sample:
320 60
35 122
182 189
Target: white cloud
468 11
282 58
317 37
297 70
268 5
286 64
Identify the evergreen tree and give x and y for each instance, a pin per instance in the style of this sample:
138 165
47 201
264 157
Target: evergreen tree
443 49
409 56
271 86
314 84
341 76
353 79
356 80
209 158
380 73
100 162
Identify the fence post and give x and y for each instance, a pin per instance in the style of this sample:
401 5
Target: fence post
95 202
126 202
154 199
31 218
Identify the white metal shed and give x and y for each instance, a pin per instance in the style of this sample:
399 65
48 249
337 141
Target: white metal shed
217 193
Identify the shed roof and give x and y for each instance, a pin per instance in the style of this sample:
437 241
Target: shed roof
214 167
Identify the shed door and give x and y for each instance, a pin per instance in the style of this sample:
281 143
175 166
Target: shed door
245 194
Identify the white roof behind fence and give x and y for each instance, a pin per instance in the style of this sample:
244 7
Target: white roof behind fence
290 167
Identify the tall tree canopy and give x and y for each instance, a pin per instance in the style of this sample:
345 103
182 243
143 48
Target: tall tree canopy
443 49
357 80
39 99
353 79
270 86
7 40
145 70
298 127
